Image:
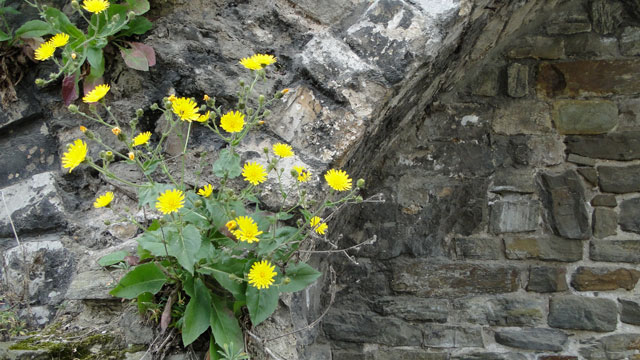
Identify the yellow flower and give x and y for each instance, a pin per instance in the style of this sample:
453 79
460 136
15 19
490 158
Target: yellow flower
257 61
172 97
95 6
75 155
303 174
96 94
59 40
231 225
261 275
338 180
318 226
284 91
206 190
103 200
206 97
254 173
232 122
83 129
204 117
186 109
45 51
116 131
142 138
247 229
282 150
170 201
131 155
74 55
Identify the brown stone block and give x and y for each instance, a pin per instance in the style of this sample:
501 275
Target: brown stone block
595 279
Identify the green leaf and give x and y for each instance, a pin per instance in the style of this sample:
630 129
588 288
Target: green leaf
197 314
139 6
144 300
137 26
284 216
4 36
96 60
224 270
185 246
213 349
151 241
150 166
224 325
117 15
143 278
61 23
301 276
268 244
112 258
227 164
34 28
135 59
261 303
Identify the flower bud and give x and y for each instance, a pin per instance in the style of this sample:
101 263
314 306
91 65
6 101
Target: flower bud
198 203
203 108
294 172
107 222
241 83
265 150
74 55
131 155
131 15
115 18
122 137
52 76
89 134
233 214
73 108
154 106
40 82
83 129
116 131
240 106
139 112
133 123
360 183
286 280
250 111
266 113
260 122
102 154
278 95
359 199
206 97
167 103
284 91
108 156
261 99
162 221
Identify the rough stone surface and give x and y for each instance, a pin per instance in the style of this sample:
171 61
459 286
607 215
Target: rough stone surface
489 356
545 279
518 80
332 12
630 311
414 308
569 27
92 285
406 354
585 116
594 279
592 45
615 347
543 248
581 160
630 41
360 327
447 336
619 179
564 197
605 16
538 47
615 250
533 339
583 313
607 200
630 215
625 146
588 78
605 222
478 248
514 216
506 181
510 121
590 174
502 310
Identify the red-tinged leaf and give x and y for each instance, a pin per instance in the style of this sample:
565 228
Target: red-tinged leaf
165 319
147 50
89 83
132 260
69 89
135 59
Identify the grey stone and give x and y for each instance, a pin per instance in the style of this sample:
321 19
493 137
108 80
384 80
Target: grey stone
630 41
370 328
504 310
317 351
625 146
514 216
538 47
506 181
630 311
413 308
591 45
522 117
569 27
581 160
619 179
486 83
327 13
615 250
489 356
590 174
422 278
92 285
518 80
533 339
550 248
630 215
605 222
585 116
603 279
135 330
545 279
583 313
448 336
565 202
605 15
607 200
612 347
408 354
478 248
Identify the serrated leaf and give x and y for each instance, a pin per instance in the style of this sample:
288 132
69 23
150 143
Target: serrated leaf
223 270
144 278
224 325
184 246
197 314
300 275
227 164
34 28
112 258
261 303
152 240
139 7
61 23
135 59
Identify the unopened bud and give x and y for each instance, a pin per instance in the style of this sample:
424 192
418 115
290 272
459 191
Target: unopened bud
102 154
115 18
286 280
139 112
359 199
116 131
131 155
75 5
265 150
133 123
294 172
250 111
241 83
131 15
278 95
122 137
39 82
83 129
162 221
261 99
360 183
107 222
266 113
203 108
260 122
89 134
198 203
233 214
74 55
241 106
108 156
284 91
206 97
154 106
73 108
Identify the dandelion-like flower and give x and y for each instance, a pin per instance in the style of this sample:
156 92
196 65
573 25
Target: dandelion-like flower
206 190
59 40
83 129
142 138
247 229
257 61
254 173
303 174
232 122
204 117
186 109
338 180
231 225
96 94
170 201
262 274
45 51
75 155
103 200
95 6
282 150
318 226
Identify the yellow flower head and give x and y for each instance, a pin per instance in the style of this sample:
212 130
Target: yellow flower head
282 150
131 155
318 226
186 109
257 61
204 117
59 40
116 131
170 201
103 200
254 173
95 6
45 51
142 138
232 122
75 155
206 97
262 274
172 98
206 190
303 174
96 94
83 129
247 229
338 180
231 225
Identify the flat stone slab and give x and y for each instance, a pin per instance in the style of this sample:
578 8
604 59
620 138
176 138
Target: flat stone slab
618 346
551 248
623 147
533 339
583 313
564 200
603 279
92 285
514 216
630 311
619 179
585 116
630 215
615 250
370 328
545 279
414 308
